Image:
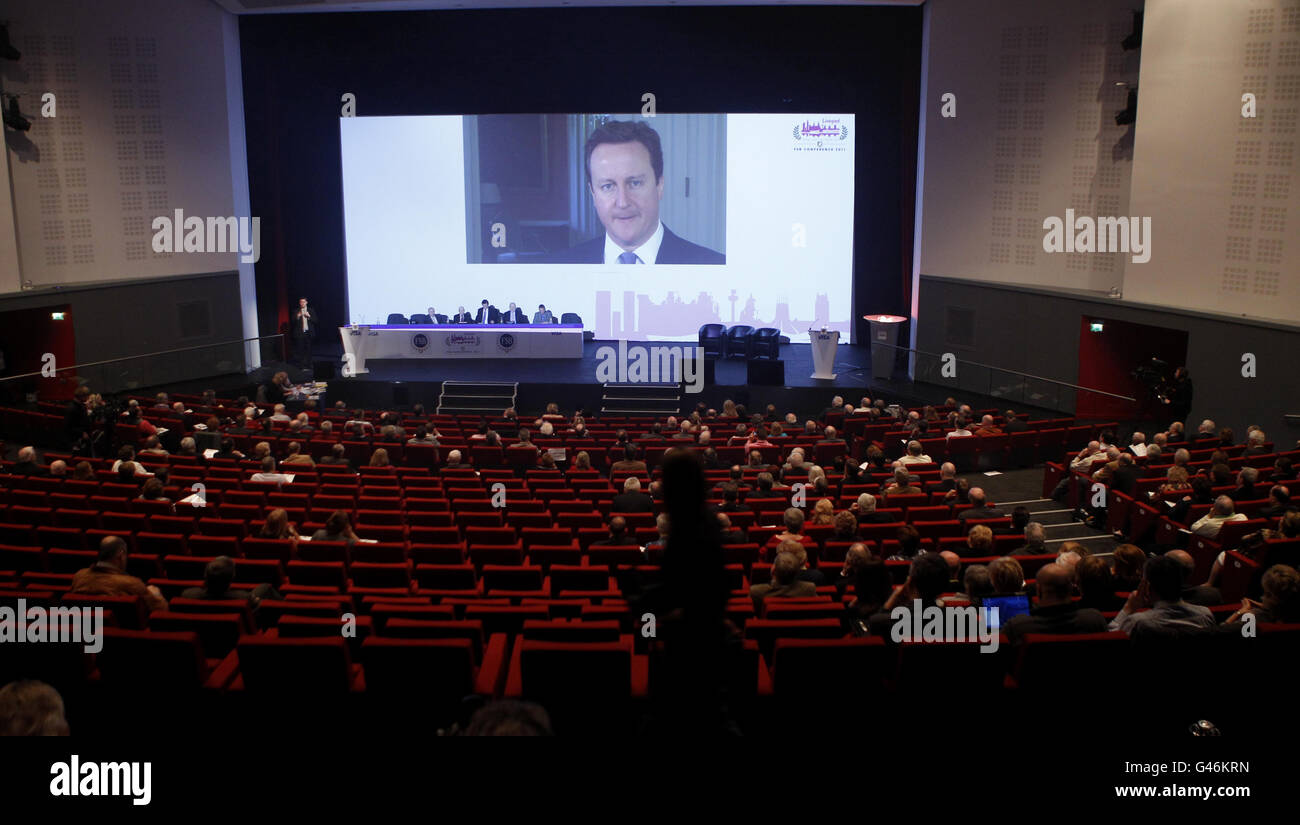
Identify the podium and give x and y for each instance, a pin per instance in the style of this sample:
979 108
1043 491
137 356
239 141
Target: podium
884 339
824 344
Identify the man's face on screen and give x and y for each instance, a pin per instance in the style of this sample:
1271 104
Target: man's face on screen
626 193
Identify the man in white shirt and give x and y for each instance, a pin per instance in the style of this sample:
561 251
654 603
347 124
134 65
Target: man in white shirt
914 456
268 473
960 430
1223 510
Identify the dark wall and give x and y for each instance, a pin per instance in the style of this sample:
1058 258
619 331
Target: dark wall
1037 331
132 318
807 59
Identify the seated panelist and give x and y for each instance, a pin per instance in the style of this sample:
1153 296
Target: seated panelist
487 314
514 315
462 317
543 315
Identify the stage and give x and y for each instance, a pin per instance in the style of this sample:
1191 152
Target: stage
573 383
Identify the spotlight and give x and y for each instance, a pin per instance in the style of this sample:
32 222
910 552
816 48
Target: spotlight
13 118
1134 40
7 51
1129 113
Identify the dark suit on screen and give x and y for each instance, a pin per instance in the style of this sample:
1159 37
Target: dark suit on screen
518 317
493 315
674 249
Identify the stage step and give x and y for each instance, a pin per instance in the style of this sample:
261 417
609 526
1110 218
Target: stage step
642 399
476 397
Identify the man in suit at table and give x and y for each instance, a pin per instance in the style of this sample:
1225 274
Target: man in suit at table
514 315
543 315
625 174
487 314
462 317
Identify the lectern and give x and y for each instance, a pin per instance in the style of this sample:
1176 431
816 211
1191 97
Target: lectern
824 344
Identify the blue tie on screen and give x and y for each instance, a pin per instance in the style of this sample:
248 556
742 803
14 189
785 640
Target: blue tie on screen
627 258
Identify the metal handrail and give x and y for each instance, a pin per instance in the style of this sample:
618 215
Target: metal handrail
143 355
1004 369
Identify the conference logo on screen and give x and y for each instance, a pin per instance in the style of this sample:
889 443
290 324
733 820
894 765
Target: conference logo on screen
419 342
828 134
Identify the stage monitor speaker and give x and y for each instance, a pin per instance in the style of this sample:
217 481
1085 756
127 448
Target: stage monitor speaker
765 373
323 370
401 394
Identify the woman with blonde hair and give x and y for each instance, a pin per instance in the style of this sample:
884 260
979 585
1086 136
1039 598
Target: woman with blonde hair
1175 480
379 458
729 409
823 512
582 461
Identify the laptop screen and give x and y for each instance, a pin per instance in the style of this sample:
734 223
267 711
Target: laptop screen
1008 608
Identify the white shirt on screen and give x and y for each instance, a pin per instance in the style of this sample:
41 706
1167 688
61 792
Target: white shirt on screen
646 253
305 316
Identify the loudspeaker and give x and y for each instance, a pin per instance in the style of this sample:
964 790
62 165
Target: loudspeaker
765 373
323 370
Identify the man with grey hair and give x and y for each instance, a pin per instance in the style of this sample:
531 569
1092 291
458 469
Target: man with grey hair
189 447
58 468
1154 451
1137 445
1255 441
1246 489
1206 432
1182 458
865 510
632 500
1035 541
27 464
1223 511
1069 560
1160 440
902 485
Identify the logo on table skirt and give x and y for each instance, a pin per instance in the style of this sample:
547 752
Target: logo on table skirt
506 342
420 341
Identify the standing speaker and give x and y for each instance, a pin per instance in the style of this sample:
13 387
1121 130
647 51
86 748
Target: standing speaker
765 373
